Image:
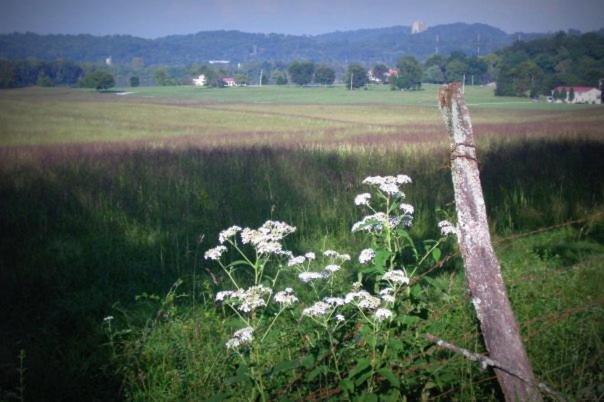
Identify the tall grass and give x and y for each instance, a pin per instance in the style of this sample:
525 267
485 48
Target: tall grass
82 230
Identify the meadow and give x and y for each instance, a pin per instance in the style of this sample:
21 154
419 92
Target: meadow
107 200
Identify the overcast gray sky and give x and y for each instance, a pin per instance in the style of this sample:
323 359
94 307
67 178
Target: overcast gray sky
154 18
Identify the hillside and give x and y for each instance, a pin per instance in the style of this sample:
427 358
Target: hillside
365 45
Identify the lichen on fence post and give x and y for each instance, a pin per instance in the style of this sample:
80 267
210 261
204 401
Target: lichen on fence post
483 273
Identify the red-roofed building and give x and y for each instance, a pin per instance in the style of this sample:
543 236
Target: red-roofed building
229 81
578 94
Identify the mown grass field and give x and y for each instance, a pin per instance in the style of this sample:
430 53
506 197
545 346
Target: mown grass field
104 197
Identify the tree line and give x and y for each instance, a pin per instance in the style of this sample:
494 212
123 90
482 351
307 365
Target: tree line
534 68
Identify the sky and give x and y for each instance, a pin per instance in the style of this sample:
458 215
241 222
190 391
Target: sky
156 18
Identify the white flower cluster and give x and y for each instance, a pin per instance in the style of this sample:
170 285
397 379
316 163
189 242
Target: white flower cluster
372 223
363 300
286 297
310 256
267 238
389 184
228 233
407 209
331 268
386 295
319 309
382 314
296 261
334 301
447 228
336 256
241 337
396 276
366 256
311 276
215 253
246 300
362 199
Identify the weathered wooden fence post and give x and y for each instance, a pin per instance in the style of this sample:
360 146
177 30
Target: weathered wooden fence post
483 273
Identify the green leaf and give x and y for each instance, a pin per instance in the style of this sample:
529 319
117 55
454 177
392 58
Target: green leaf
286 365
367 398
362 365
436 254
347 385
380 259
308 361
316 372
390 376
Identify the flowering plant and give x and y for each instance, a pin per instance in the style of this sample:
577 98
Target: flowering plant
358 320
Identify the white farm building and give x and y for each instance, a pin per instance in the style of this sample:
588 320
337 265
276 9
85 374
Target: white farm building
578 94
200 81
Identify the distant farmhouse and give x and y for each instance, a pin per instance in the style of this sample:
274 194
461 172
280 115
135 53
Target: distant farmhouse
200 81
229 81
577 95
418 27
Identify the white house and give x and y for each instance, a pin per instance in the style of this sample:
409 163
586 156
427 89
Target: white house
200 81
229 82
581 94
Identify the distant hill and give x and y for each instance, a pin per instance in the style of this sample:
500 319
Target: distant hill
364 45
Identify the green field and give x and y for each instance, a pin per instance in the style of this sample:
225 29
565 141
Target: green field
106 197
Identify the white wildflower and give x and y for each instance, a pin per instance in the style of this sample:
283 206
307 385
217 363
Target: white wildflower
382 314
334 301
356 286
344 257
215 253
241 337
310 276
286 297
331 253
362 199
447 228
220 296
109 318
374 180
372 223
318 309
396 276
296 261
331 268
363 299
228 233
407 209
403 179
252 298
387 296
366 256
310 256
339 318
269 247
390 188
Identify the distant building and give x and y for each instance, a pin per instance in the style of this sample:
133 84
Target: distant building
219 61
229 81
108 61
579 94
391 72
418 26
200 81
372 78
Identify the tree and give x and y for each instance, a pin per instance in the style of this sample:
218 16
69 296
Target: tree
44 80
356 76
571 95
301 72
325 75
379 72
433 74
161 77
440 62
456 68
281 79
100 80
563 95
134 81
409 73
